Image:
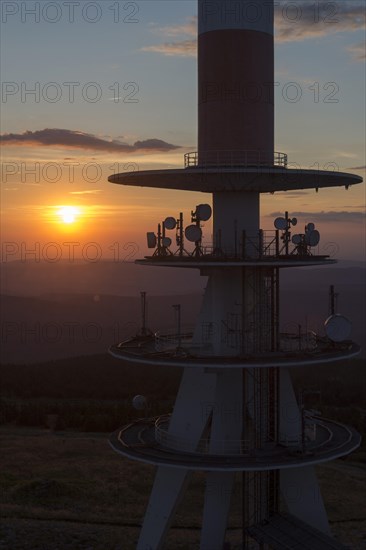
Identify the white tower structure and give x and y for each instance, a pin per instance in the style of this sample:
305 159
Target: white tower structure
236 409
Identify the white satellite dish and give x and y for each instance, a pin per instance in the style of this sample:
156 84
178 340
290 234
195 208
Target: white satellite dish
338 328
310 227
296 239
280 223
167 242
294 221
193 233
151 240
203 212
170 223
139 402
312 238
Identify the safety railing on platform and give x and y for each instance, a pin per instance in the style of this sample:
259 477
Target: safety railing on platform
297 341
300 341
171 339
225 447
233 159
264 245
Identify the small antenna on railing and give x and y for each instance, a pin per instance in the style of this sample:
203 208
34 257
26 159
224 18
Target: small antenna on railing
333 299
177 309
143 313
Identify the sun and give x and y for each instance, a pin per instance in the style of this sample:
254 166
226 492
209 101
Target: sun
68 214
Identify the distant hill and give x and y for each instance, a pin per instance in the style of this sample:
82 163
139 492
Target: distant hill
51 311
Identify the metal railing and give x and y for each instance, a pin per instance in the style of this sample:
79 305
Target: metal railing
225 447
289 342
262 245
300 341
171 339
232 159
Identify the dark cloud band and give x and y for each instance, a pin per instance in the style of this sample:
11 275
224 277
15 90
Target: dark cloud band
53 137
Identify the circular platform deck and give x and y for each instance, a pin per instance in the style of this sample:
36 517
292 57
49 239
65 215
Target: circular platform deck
208 262
138 441
262 179
143 352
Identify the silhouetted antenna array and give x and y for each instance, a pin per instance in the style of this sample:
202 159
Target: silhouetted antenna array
192 233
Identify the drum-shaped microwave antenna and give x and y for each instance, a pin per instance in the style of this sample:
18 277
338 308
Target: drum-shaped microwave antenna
310 227
193 233
170 223
280 223
151 240
338 328
203 212
139 402
296 239
167 241
312 238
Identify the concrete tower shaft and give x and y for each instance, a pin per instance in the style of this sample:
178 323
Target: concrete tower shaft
235 81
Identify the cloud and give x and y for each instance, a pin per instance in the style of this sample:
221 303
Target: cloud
358 51
87 192
309 20
181 48
189 28
325 217
53 137
294 22
357 168
187 48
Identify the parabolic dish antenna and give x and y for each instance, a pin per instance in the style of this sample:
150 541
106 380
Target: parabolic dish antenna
203 212
170 223
338 328
151 240
310 227
294 221
193 233
312 238
280 223
139 402
167 241
296 239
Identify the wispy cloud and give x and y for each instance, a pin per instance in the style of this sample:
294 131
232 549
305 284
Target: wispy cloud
322 216
188 28
294 22
87 192
358 51
317 20
74 139
357 168
186 48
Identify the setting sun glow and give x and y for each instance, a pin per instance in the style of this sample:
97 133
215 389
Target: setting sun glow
68 214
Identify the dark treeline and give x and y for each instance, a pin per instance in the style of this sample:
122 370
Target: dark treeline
94 393
87 377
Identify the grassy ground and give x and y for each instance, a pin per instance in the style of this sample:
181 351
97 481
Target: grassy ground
71 491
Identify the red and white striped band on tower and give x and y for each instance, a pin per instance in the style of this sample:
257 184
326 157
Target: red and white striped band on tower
236 80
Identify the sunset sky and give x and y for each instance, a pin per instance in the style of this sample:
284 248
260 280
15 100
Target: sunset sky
114 89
